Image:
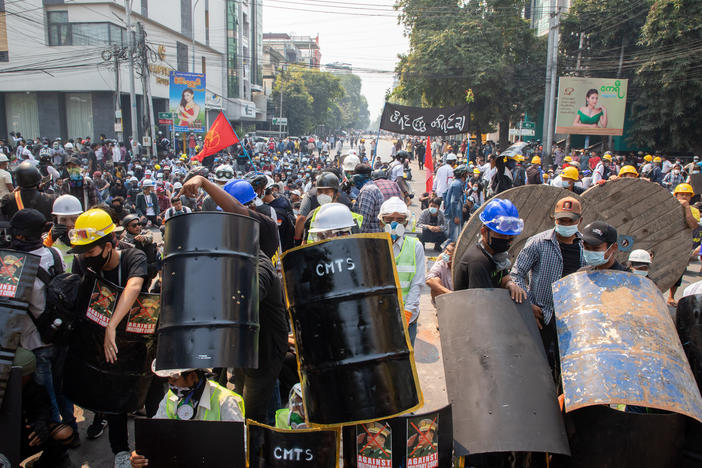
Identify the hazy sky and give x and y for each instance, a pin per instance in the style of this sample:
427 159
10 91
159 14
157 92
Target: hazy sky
363 33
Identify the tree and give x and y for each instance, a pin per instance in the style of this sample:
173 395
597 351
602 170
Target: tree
483 45
297 101
354 107
668 107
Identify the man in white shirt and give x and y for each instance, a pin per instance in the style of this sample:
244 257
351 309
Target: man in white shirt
5 177
444 176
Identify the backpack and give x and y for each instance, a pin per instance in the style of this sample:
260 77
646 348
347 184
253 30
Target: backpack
56 323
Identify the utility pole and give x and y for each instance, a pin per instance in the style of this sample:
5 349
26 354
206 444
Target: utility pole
551 98
547 90
577 72
132 93
118 104
146 77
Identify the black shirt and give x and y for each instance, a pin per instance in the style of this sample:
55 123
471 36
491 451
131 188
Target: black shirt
475 270
31 198
132 263
571 257
273 334
268 232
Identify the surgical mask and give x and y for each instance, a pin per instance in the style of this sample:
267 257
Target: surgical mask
475 188
565 183
446 258
499 245
433 210
640 272
395 229
566 231
323 199
594 258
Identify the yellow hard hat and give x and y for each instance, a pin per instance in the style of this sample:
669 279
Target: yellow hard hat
90 227
546 176
568 159
570 173
157 167
628 170
684 188
657 159
536 160
608 157
476 171
648 158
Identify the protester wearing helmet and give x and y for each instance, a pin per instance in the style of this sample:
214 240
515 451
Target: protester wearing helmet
674 178
569 177
640 262
293 415
93 240
628 171
5 177
409 258
147 204
453 203
327 191
332 220
28 179
223 174
444 176
65 210
193 396
486 264
78 185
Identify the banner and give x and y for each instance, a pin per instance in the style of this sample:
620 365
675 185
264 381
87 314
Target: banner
219 136
591 106
416 441
279 448
187 101
143 315
425 121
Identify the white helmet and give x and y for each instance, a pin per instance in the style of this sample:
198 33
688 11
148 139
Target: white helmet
393 205
224 173
269 181
350 162
177 186
640 256
332 216
3 158
148 183
66 205
68 146
451 157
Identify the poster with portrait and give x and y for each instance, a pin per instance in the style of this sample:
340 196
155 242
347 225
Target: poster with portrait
187 101
11 267
142 317
373 445
591 106
423 441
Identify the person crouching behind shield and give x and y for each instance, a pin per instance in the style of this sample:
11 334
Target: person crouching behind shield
293 415
332 220
193 396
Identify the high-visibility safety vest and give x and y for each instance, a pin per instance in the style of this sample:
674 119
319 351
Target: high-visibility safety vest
406 264
312 237
282 418
218 396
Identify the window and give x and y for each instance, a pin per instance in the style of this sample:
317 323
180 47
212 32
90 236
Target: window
145 8
182 56
204 65
90 34
59 29
79 114
186 17
22 113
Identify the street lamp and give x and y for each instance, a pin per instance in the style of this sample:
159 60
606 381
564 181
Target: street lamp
192 31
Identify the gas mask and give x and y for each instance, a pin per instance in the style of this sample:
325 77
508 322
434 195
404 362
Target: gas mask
396 230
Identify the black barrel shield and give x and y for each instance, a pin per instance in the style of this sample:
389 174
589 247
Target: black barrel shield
688 321
92 382
269 447
18 270
607 438
210 292
497 378
355 359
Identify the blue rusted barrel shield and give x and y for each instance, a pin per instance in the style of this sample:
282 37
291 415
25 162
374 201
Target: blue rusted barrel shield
618 345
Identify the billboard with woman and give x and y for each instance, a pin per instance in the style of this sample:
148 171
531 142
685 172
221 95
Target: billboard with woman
187 101
591 106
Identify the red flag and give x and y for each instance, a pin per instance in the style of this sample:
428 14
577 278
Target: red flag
429 166
220 136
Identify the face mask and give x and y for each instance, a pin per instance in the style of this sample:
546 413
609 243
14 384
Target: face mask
594 258
499 245
97 262
566 231
446 258
676 172
395 229
296 212
433 210
323 199
181 392
640 272
565 183
475 189
117 208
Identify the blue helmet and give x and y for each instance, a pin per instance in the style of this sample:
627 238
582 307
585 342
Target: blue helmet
240 189
502 217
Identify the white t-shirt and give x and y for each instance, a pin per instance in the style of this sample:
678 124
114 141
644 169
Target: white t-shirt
444 177
5 179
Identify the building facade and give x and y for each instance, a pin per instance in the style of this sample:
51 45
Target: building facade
65 66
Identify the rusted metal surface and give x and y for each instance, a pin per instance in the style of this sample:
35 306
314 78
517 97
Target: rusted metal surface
646 217
497 377
618 345
535 204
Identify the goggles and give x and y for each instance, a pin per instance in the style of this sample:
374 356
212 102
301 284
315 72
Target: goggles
80 236
506 223
224 174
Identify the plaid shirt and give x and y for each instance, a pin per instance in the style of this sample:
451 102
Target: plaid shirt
670 181
368 205
538 266
388 188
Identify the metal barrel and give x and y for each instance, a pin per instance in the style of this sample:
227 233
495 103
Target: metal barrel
497 377
93 383
18 270
688 322
355 359
209 295
618 345
608 438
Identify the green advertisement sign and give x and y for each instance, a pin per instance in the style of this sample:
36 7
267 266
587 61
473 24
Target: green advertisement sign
591 106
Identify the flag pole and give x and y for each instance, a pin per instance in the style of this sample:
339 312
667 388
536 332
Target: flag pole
377 138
